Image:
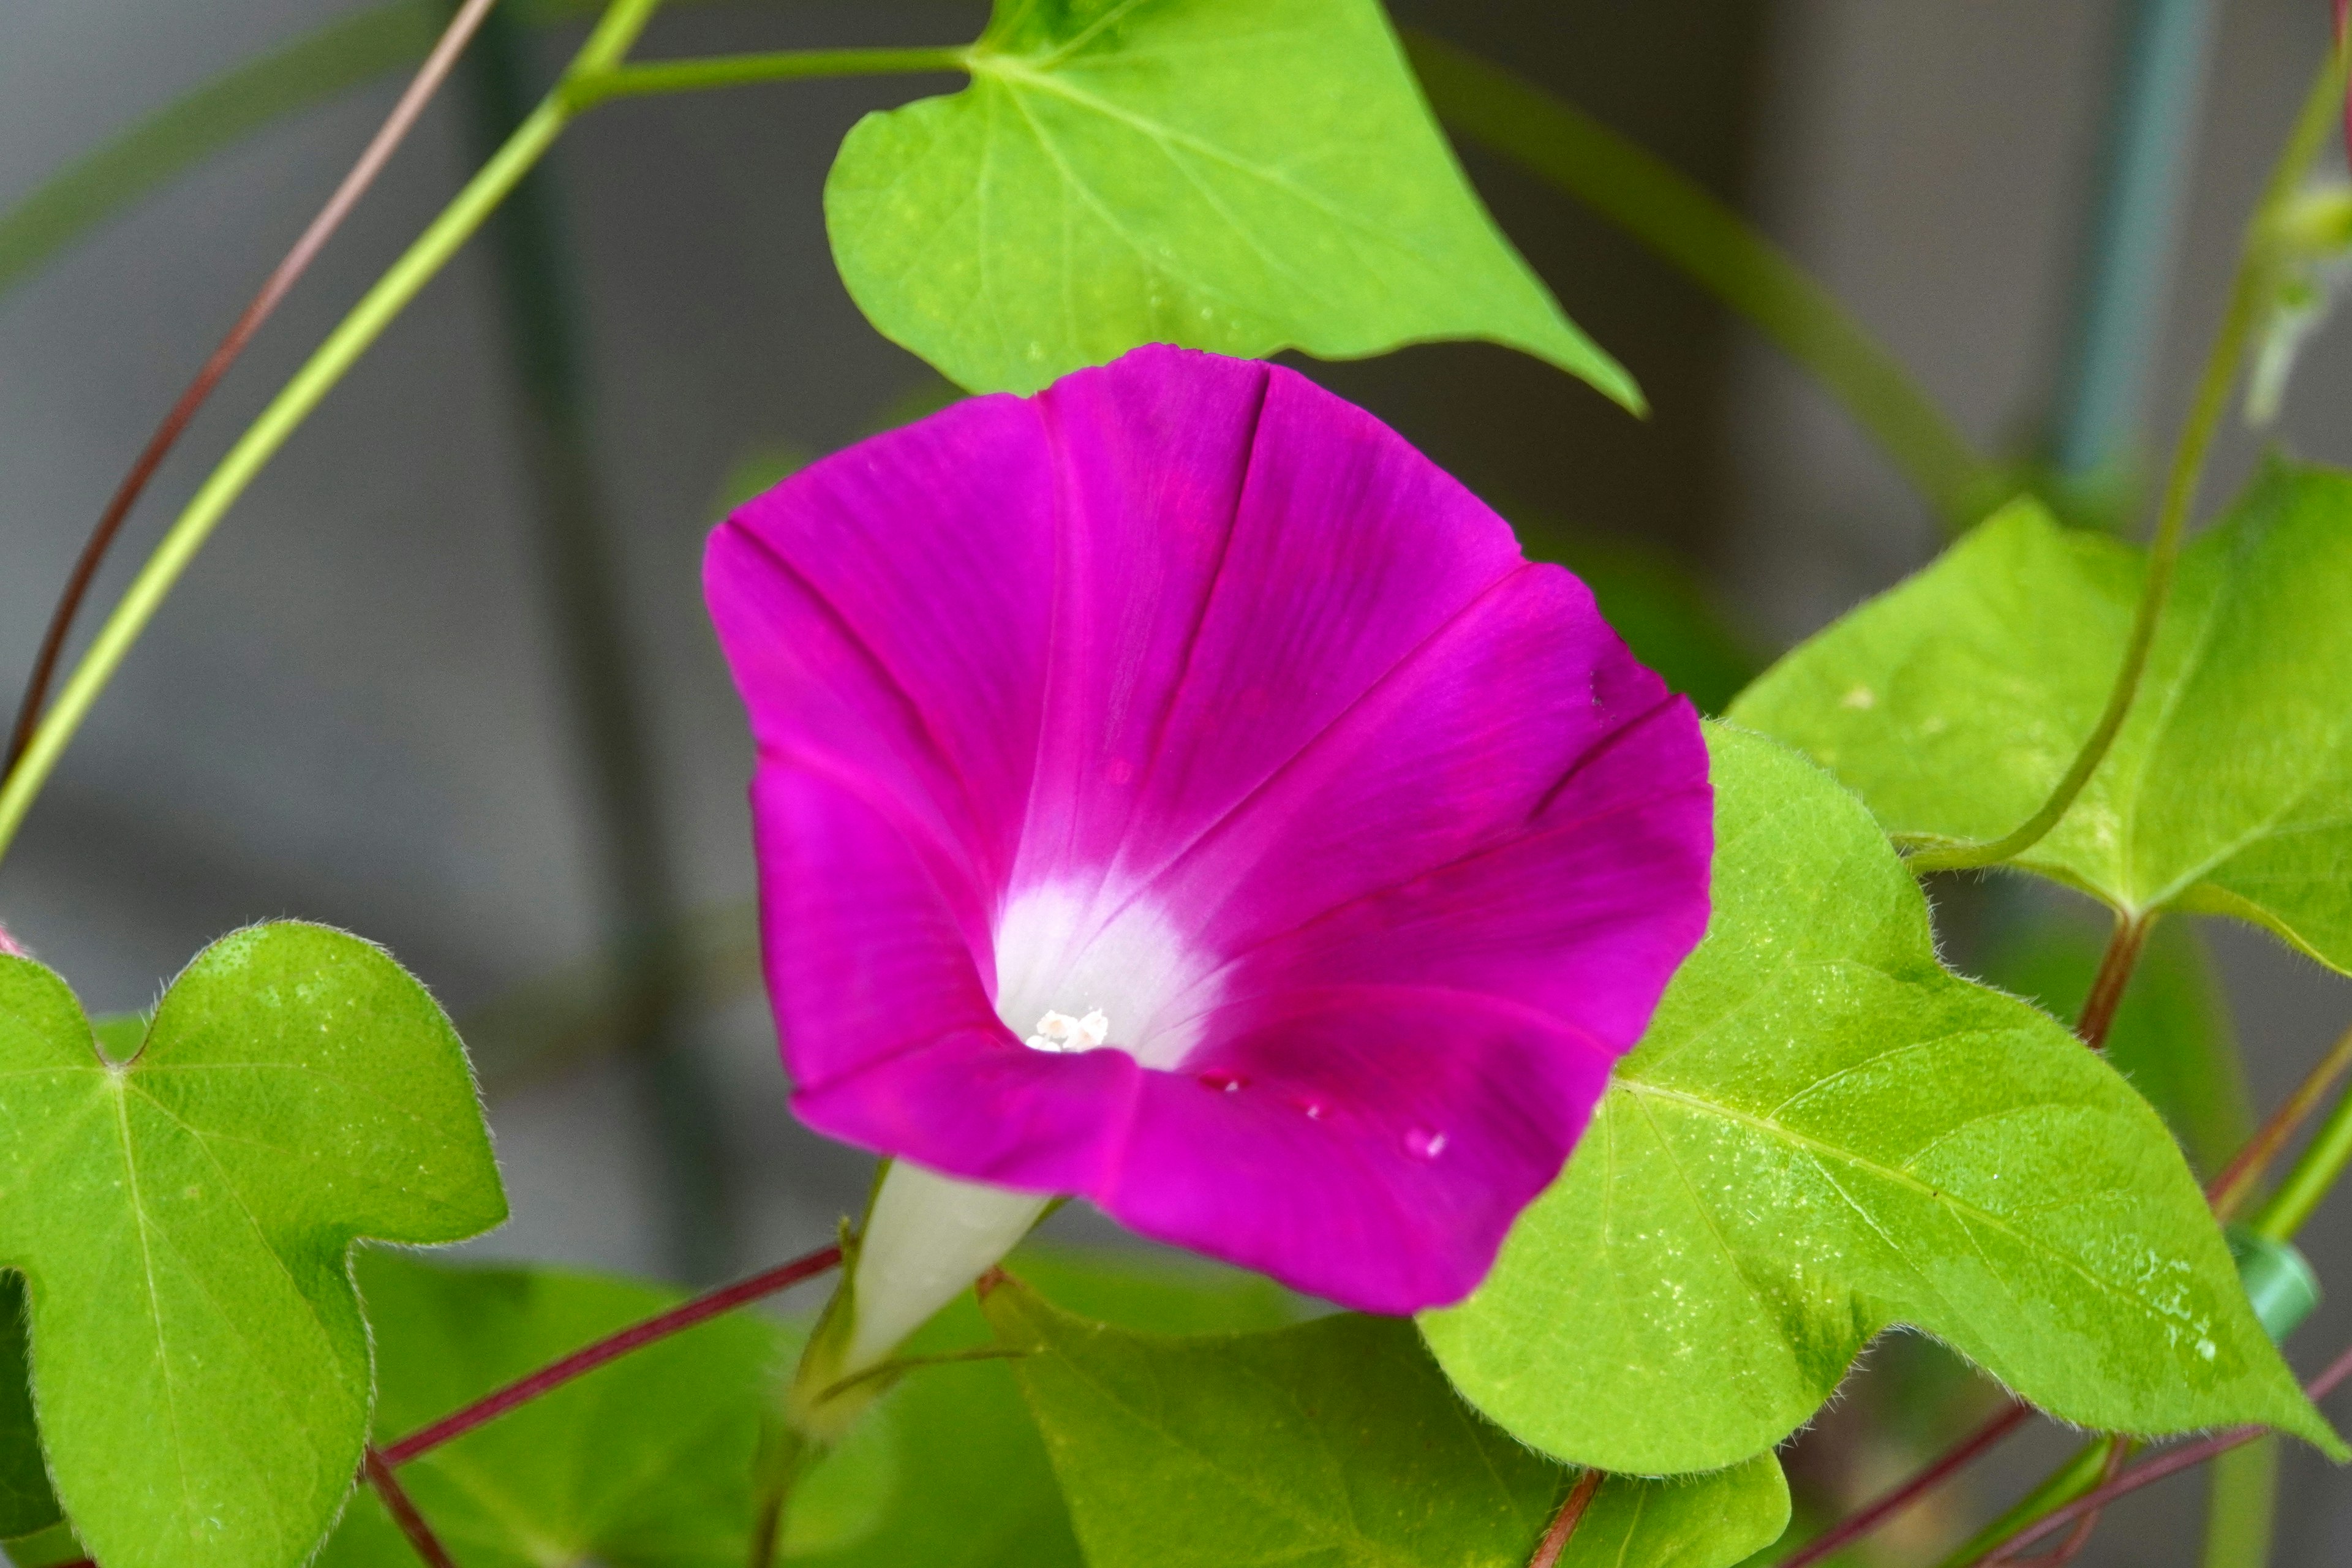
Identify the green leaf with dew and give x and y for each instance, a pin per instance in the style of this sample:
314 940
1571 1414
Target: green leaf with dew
2171 1038
1825 1133
1242 176
184 1218
1953 703
1334 1442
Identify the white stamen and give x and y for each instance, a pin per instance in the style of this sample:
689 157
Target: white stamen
1061 1032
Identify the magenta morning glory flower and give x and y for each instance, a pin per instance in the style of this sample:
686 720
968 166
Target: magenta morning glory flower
1174 790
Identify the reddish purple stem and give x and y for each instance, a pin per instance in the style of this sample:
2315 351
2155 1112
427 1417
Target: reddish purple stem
404 1513
2187 1457
1959 1458
553 1375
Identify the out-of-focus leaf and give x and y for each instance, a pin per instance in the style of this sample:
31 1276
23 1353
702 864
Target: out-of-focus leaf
183 1218
50 1548
1242 176
1336 1441
27 1505
2171 1037
1825 1132
643 1463
1953 704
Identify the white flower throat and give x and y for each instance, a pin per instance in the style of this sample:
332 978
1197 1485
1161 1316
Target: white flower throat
1072 967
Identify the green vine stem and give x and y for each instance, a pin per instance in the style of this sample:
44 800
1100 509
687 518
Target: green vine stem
261 441
316 67
2248 291
2242 1509
2149 1472
2074 1479
745 70
599 57
1690 229
2311 1178
2229 1191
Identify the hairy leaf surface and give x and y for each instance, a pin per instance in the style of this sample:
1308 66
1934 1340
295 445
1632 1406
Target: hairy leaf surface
1953 704
1242 176
2171 1038
1823 1134
1333 1442
183 1221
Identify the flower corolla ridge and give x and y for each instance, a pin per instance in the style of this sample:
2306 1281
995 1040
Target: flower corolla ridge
1175 790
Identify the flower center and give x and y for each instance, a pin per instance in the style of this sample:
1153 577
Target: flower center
1068 964
1060 1032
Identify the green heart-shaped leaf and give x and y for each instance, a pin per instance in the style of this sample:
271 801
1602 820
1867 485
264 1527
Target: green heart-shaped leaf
1953 704
1336 1442
1824 1132
1242 176
182 1220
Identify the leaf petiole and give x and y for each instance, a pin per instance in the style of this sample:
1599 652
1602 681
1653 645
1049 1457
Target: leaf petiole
1563 1523
611 1348
588 90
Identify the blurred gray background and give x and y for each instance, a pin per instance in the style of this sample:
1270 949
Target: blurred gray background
354 711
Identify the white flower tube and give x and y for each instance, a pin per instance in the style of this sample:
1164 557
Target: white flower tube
927 1238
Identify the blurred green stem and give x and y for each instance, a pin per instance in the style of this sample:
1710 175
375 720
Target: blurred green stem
2247 293
746 71
616 31
2312 1178
2242 1497
2061 1486
260 443
316 68
1690 229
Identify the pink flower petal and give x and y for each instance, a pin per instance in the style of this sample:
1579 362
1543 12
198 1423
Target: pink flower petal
1188 695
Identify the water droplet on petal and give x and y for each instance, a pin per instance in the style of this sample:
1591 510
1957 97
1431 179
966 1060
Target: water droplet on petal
1422 1144
1314 1110
1225 1082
